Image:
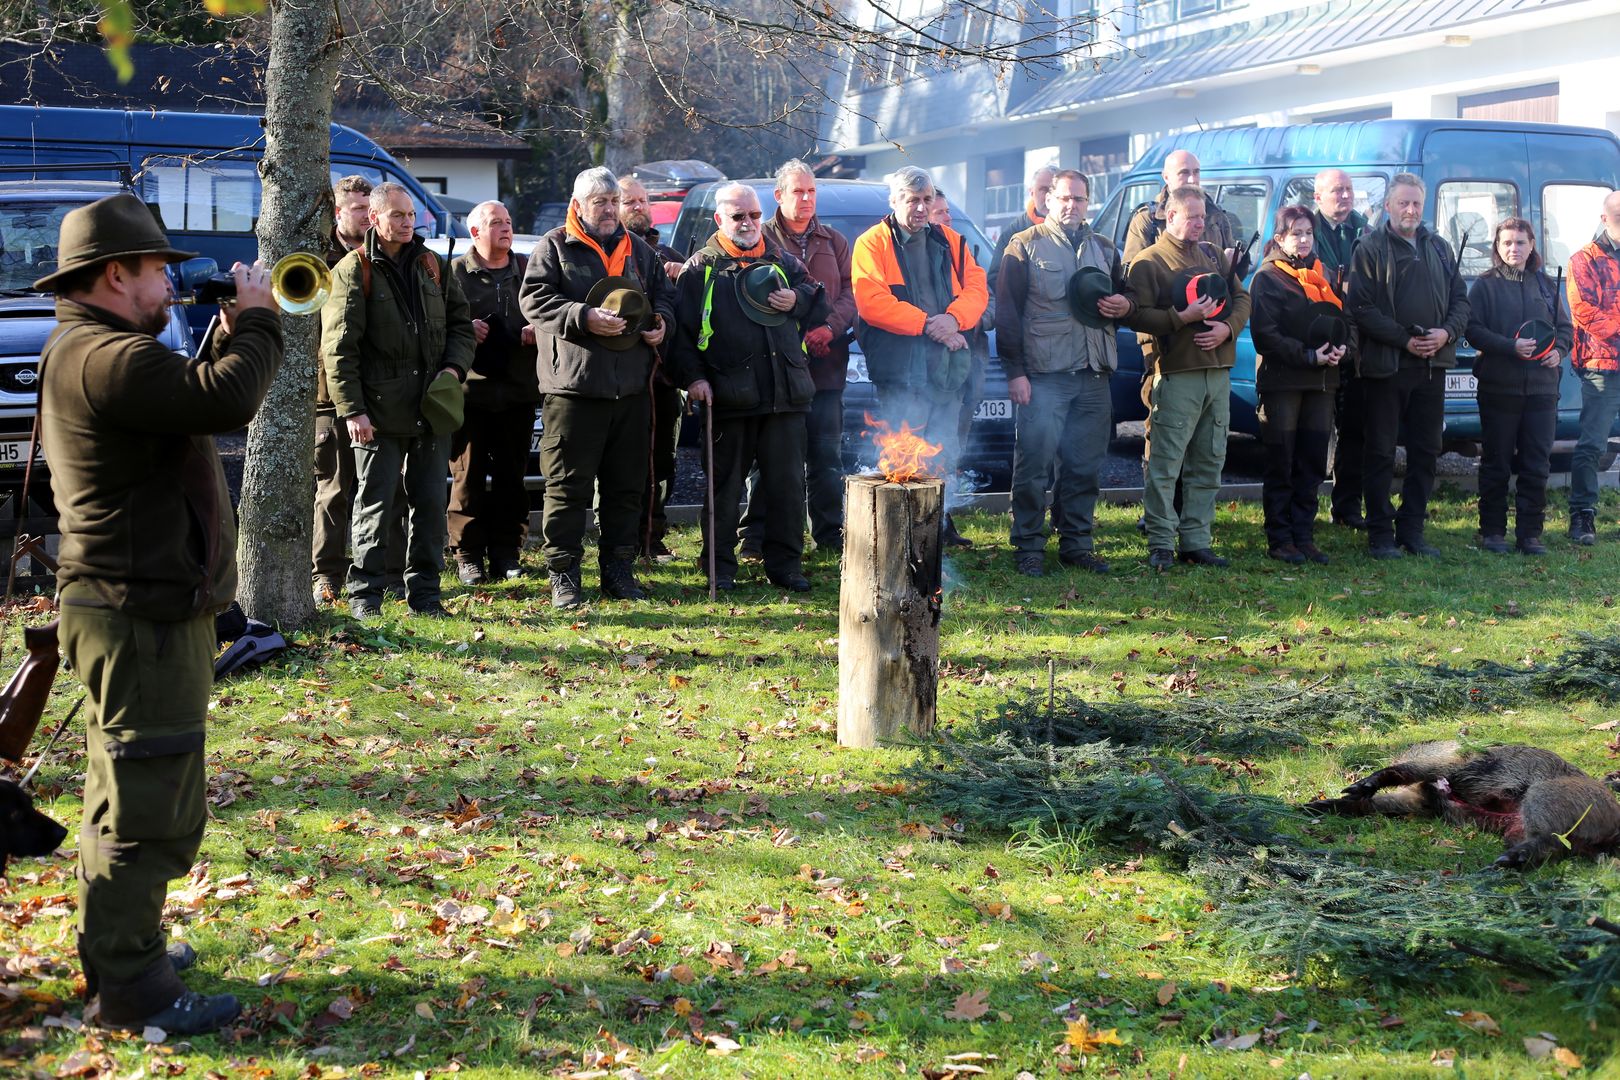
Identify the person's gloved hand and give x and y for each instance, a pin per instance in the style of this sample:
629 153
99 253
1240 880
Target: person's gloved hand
819 341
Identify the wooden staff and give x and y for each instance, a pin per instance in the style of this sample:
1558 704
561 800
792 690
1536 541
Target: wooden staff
708 451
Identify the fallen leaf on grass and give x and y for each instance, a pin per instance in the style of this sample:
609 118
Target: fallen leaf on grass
969 1006
720 1046
1081 1037
1166 992
1480 1022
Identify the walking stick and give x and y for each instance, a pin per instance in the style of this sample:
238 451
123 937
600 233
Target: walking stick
708 451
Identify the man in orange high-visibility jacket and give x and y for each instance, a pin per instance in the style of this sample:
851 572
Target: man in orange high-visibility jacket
913 306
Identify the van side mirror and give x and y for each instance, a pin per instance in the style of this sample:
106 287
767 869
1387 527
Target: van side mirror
193 272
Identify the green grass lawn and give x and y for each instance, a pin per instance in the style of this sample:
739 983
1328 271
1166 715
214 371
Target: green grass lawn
523 842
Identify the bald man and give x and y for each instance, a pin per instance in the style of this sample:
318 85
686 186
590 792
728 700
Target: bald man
1339 228
1181 169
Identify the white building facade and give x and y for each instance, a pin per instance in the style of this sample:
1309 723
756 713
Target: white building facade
1154 68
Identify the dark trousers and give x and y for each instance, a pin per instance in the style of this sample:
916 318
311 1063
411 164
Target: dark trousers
774 442
1295 426
1516 437
489 506
1411 406
334 492
1350 419
823 477
424 460
592 444
666 433
147 686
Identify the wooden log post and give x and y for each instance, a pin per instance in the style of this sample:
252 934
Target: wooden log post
888 609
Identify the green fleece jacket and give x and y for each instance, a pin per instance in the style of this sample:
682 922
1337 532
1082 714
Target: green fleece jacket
1167 342
127 428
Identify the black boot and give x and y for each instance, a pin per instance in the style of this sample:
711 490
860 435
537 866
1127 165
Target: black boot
504 565
157 998
566 591
619 580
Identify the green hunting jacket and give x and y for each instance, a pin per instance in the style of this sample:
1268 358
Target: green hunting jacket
381 351
128 427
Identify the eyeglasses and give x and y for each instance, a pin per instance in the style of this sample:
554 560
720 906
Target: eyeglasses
752 215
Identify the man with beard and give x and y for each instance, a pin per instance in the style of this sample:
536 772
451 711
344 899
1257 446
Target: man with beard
667 401
148 557
334 458
489 506
601 303
742 308
1410 308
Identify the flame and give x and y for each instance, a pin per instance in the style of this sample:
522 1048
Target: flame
902 455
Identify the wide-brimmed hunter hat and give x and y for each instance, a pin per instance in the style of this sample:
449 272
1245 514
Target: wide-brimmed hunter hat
623 297
110 228
754 288
1544 333
1087 286
1321 323
1193 285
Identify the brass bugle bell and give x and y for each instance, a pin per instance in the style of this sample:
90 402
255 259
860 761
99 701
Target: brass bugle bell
300 282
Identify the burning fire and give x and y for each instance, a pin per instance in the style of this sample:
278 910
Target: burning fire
902 455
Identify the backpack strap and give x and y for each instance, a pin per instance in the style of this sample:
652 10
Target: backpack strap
365 274
429 262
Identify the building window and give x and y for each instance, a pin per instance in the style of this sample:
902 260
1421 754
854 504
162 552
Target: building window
439 185
1536 104
1152 14
1355 116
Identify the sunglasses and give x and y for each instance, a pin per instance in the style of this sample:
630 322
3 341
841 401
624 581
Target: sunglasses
752 215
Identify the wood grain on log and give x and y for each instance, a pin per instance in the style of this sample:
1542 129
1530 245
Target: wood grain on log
888 609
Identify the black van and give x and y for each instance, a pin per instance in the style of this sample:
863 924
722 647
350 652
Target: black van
1477 173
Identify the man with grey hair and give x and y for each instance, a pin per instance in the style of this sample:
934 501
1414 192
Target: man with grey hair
796 229
396 322
1407 298
334 457
600 303
1039 190
915 303
489 505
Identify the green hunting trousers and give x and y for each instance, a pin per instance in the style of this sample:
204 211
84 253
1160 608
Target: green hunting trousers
1189 413
145 793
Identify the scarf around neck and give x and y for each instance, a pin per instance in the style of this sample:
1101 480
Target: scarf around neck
742 255
1310 279
614 263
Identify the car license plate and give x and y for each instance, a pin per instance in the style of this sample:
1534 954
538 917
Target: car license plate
1460 383
999 409
16 453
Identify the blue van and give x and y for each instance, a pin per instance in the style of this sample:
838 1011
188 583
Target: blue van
1477 173
199 171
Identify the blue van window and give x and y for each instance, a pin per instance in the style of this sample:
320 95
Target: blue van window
1569 217
1369 193
202 196
1472 209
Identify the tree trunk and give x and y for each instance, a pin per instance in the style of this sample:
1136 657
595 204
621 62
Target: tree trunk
626 79
888 609
277 480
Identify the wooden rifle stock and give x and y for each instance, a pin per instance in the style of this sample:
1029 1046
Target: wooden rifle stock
22 702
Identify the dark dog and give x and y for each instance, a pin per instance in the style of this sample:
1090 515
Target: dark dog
1543 806
24 830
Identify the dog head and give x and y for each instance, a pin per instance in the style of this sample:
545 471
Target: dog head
24 830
